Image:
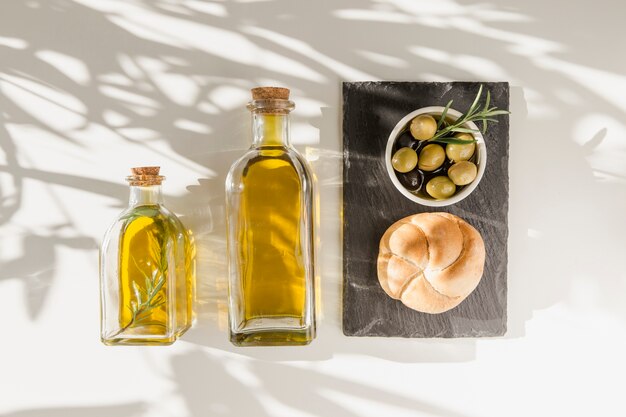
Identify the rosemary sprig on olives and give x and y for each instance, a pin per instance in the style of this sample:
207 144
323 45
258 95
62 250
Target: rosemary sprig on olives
476 113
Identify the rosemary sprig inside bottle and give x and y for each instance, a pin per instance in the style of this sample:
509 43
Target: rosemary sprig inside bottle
150 296
476 113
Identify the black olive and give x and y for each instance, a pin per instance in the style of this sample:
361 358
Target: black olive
405 140
411 180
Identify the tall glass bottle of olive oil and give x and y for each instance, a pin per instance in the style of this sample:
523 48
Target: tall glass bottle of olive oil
147 269
270 232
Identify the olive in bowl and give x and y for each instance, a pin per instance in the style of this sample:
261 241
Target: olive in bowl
445 173
423 127
431 157
463 172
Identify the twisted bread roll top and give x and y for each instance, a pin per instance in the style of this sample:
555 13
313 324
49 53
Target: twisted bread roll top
430 261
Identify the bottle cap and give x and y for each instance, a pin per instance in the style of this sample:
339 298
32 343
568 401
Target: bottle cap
270 93
145 176
270 100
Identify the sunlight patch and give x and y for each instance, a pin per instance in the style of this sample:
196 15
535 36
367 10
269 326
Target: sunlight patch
602 140
192 126
13 43
127 96
382 59
73 68
145 33
229 98
114 119
180 89
214 9
54 108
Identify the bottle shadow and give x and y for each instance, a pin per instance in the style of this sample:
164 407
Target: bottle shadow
38 277
221 384
123 410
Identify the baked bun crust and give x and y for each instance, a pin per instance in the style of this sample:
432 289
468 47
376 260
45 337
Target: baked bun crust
430 261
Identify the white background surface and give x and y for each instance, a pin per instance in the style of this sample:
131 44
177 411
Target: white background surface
93 87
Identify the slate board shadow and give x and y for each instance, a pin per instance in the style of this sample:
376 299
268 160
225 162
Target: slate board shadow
371 204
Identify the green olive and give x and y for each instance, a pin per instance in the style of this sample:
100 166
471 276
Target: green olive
431 157
440 188
404 160
462 173
461 152
423 127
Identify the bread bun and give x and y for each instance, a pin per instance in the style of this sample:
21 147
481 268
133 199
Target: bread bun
430 261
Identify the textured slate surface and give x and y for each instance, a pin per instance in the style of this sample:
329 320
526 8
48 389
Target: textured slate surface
372 204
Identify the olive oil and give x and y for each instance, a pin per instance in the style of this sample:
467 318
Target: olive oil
269 196
274 280
143 256
147 270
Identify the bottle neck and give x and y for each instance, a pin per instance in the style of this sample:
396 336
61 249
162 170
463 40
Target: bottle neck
145 195
270 129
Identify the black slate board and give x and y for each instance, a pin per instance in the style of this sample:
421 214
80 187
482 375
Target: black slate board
371 204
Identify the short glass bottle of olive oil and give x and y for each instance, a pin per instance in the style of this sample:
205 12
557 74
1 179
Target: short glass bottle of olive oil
270 232
147 269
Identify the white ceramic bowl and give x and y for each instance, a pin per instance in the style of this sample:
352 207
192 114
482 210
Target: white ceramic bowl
481 157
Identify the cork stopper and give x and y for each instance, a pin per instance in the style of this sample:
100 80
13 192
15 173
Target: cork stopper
145 171
145 176
270 100
270 93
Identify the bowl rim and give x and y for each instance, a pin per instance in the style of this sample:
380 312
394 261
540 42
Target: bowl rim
481 162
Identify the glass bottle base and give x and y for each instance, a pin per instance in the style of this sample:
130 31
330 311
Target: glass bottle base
123 341
148 335
273 338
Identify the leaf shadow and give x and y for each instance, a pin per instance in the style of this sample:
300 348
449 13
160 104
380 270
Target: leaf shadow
378 41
